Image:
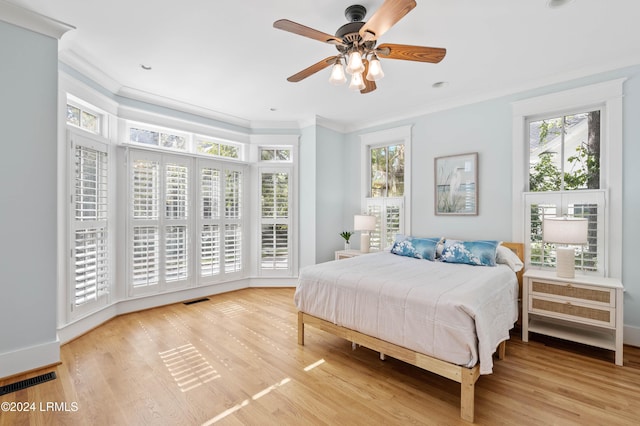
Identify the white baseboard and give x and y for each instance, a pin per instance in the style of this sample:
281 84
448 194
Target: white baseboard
81 326
631 335
28 359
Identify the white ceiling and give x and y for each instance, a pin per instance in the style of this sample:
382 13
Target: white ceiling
226 57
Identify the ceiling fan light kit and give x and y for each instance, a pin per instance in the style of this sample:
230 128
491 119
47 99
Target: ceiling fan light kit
356 44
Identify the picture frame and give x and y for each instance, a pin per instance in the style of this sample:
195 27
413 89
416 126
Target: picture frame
456 185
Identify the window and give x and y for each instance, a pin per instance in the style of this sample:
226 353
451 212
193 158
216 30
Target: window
81 117
90 265
163 138
275 154
564 156
275 217
387 170
568 164
387 194
220 220
217 148
564 152
159 215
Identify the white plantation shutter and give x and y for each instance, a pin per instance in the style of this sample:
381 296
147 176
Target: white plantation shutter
90 270
233 184
158 221
588 204
210 202
176 258
176 241
210 250
219 221
145 214
146 256
388 213
232 248
275 220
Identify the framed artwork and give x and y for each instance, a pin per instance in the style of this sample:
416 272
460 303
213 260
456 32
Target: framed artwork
456 184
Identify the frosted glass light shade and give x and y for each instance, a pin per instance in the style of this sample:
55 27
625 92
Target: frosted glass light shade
337 74
355 64
357 83
375 70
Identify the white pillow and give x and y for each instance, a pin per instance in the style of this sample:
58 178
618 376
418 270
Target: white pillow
509 258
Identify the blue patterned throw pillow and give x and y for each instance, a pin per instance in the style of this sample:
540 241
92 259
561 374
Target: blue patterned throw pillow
420 248
481 252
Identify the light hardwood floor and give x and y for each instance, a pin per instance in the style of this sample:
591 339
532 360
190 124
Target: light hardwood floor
235 360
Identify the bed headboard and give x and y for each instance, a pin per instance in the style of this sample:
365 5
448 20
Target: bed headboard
518 249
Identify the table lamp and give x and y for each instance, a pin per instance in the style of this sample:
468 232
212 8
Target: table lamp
366 224
564 230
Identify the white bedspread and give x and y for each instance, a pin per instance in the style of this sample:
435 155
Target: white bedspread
457 313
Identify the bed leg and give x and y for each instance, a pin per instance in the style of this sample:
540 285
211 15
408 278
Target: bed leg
301 328
502 349
467 393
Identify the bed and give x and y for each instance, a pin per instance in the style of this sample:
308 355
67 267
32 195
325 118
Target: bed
447 318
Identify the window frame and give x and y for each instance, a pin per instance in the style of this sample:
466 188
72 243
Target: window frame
394 136
606 96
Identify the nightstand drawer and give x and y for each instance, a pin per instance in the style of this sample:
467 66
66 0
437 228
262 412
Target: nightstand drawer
564 309
593 295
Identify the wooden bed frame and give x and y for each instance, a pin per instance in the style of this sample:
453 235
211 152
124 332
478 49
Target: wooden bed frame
467 377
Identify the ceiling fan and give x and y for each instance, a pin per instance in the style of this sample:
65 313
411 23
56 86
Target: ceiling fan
356 44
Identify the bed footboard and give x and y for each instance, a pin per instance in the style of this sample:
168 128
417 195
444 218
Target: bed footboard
467 377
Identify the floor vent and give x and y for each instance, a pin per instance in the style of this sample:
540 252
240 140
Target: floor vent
191 302
27 383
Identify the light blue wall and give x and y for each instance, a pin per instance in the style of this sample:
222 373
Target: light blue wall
486 127
28 124
330 175
307 194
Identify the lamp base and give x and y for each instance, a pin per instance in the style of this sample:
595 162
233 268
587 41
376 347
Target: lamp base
364 242
565 262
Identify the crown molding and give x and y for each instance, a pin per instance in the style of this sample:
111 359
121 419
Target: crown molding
140 95
33 21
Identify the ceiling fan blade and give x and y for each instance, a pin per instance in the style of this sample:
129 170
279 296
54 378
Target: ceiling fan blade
318 66
385 17
294 27
369 86
411 53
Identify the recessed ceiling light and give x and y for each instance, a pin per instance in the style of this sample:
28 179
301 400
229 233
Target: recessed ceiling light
555 4
440 84
145 67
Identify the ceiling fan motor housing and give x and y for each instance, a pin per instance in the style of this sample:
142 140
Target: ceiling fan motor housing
349 32
355 13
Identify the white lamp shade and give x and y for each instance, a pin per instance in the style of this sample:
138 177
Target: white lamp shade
363 222
564 230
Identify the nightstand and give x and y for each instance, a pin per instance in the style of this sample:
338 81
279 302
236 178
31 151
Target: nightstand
345 254
585 309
